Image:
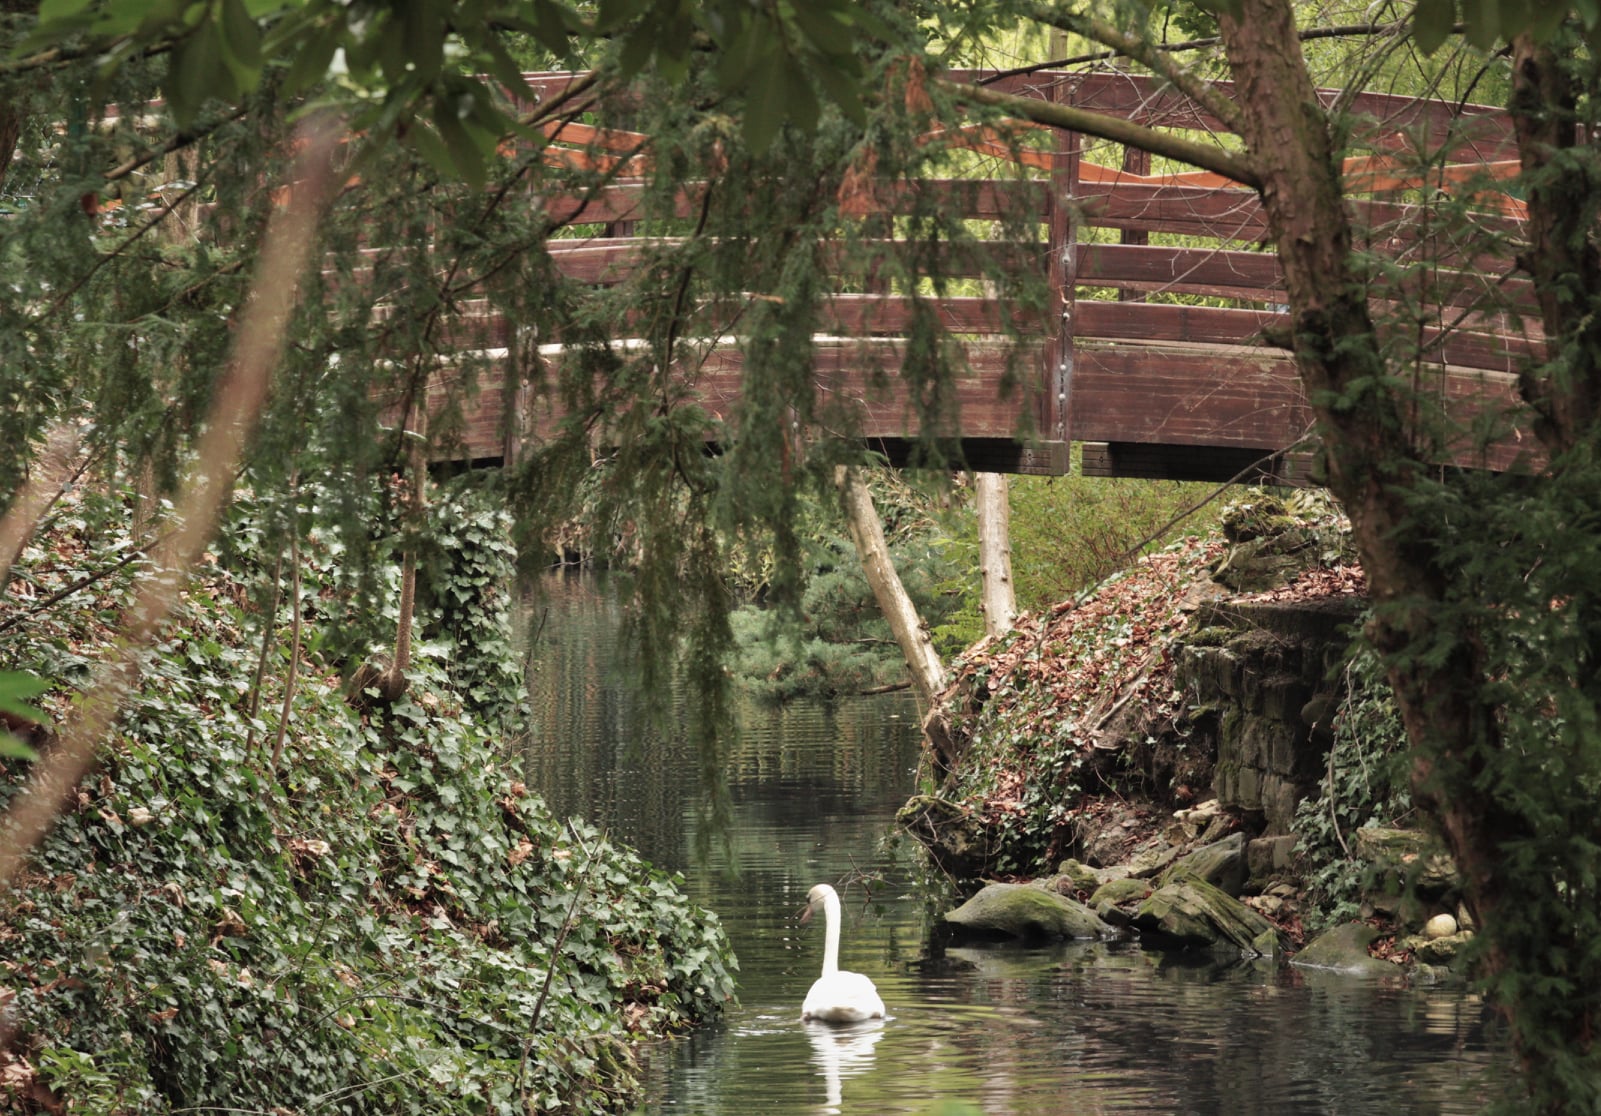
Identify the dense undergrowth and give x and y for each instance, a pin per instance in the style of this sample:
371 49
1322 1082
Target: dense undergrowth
384 922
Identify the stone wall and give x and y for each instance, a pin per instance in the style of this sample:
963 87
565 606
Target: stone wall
1262 679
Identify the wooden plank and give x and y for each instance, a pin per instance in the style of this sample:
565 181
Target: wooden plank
1212 272
1189 395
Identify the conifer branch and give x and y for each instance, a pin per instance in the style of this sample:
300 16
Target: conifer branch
236 409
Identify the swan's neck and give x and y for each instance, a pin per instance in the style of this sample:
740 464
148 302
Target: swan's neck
831 935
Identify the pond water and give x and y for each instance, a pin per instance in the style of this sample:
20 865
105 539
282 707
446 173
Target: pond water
998 1030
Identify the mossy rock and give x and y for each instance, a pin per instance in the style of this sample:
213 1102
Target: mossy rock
1221 864
1408 857
1444 950
1026 913
1119 892
1344 949
1080 877
1192 914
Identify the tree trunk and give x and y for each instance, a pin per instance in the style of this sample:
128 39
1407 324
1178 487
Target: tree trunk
1372 463
867 532
997 600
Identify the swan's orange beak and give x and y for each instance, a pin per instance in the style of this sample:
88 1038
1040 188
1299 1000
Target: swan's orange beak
806 915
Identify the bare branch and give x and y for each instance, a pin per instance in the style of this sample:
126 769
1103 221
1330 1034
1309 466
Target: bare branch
1148 54
1116 129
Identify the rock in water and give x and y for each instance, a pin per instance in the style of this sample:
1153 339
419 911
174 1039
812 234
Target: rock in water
1344 949
1025 912
1192 914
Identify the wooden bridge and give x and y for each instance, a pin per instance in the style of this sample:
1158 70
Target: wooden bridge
1162 291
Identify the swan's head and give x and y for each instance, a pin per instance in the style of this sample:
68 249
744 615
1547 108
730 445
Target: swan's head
816 898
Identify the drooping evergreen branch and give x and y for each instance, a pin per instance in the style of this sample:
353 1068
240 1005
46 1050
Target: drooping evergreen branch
187 138
126 243
240 399
1114 128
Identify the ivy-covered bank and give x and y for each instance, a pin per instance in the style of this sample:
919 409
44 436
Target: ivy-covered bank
383 921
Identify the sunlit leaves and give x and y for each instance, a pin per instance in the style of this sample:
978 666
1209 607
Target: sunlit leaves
412 61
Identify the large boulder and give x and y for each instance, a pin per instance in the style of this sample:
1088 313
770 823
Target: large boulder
1192 914
1025 912
1221 864
1344 949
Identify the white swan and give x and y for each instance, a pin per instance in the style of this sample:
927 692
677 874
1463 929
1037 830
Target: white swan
836 996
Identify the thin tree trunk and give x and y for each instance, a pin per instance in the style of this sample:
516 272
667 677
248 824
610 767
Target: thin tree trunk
997 599
867 532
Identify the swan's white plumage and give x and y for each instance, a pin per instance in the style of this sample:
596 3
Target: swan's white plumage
837 996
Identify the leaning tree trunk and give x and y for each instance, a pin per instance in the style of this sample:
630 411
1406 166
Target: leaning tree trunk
867 532
997 599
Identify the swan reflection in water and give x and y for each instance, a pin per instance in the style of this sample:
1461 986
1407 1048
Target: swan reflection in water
839 1052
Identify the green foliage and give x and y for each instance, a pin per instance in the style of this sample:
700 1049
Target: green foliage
465 594
390 923
1364 785
1068 534
834 639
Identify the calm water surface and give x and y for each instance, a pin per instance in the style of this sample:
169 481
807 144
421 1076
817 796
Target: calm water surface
1084 1028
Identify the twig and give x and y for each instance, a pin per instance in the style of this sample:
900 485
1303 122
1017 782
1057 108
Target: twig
83 583
268 630
294 629
550 969
1185 513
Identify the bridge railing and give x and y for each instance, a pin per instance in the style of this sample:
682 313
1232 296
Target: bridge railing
1159 345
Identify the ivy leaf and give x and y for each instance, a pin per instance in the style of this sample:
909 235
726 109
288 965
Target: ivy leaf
1481 20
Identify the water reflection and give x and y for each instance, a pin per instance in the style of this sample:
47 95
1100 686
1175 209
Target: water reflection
1091 1027
841 1052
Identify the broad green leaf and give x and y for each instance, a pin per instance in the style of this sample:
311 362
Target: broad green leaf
426 142
422 24
241 40
824 27
1432 23
1481 21
195 74
310 63
17 688
800 101
12 748
764 102
464 152
53 10
844 90
615 13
